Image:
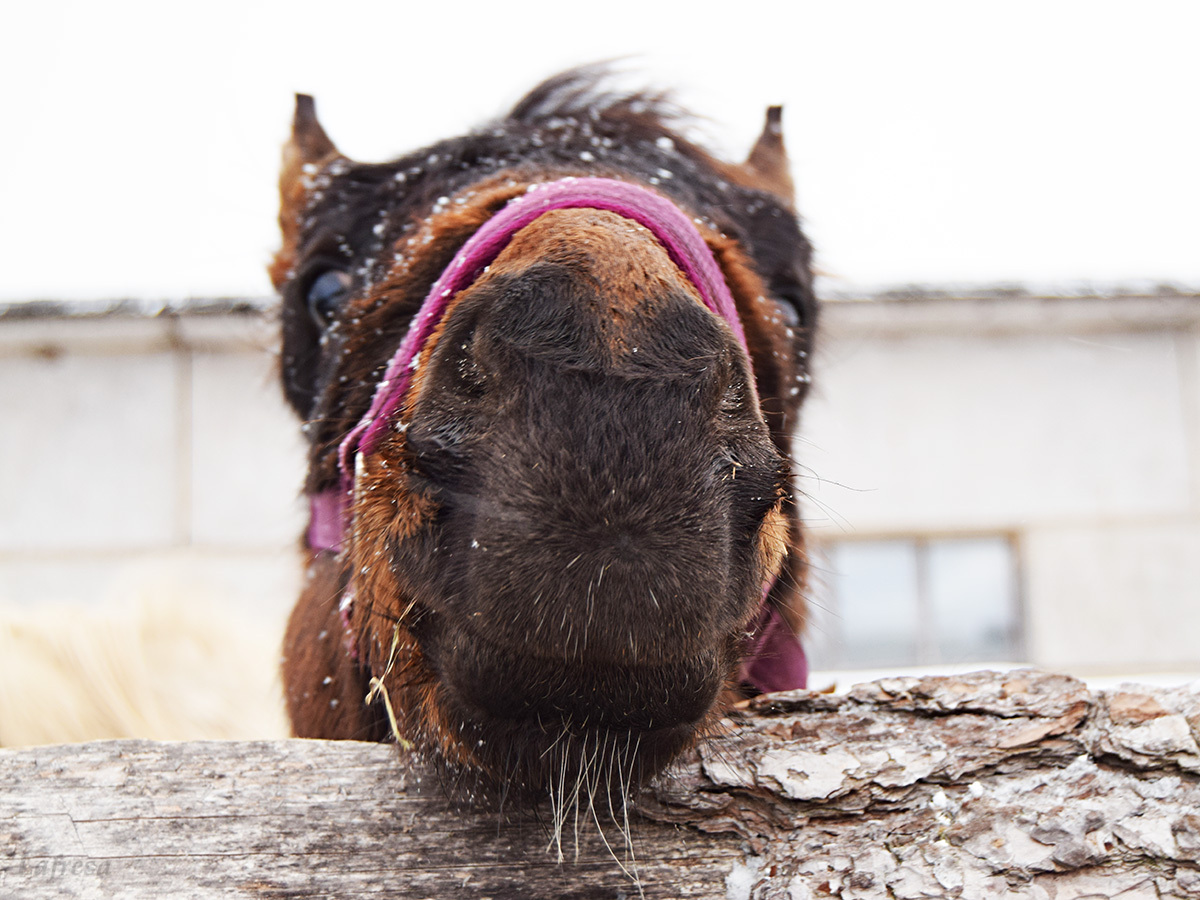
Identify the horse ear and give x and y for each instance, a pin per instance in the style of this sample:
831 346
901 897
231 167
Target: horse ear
768 162
308 149
309 143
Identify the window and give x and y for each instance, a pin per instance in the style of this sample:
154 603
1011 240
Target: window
915 601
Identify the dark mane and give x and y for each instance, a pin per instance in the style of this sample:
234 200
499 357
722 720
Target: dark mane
587 92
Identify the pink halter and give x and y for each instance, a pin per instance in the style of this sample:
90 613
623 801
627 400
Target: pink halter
667 223
777 661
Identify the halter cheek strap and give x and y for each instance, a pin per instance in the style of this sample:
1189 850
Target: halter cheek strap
777 660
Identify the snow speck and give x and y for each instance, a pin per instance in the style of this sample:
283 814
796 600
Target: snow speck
741 878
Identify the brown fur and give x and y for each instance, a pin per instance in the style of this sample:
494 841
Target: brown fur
314 649
561 545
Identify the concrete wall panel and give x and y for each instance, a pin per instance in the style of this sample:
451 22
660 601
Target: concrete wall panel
89 454
247 466
1114 598
985 433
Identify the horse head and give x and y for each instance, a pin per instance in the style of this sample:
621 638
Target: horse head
549 373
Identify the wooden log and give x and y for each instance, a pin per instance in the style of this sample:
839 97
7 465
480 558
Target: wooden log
1016 785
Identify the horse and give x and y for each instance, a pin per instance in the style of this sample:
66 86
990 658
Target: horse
548 373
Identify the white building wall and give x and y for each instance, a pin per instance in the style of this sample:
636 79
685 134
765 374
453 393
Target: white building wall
142 451
134 446
1071 424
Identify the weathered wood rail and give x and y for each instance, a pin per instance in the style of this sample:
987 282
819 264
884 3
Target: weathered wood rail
1016 785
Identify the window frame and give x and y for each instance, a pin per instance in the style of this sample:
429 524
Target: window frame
824 595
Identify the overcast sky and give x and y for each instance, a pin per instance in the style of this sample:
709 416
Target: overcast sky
1041 142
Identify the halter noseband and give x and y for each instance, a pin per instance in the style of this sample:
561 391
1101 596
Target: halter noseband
777 660
665 220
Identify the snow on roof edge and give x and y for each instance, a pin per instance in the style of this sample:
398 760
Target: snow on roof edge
828 290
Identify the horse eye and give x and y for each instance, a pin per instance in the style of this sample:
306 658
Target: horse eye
326 294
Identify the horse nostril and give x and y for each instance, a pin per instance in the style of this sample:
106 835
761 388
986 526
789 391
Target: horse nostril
465 363
457 361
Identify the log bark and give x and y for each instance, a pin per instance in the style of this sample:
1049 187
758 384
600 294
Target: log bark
1016 785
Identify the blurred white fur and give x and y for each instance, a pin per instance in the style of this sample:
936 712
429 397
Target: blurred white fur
160 658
